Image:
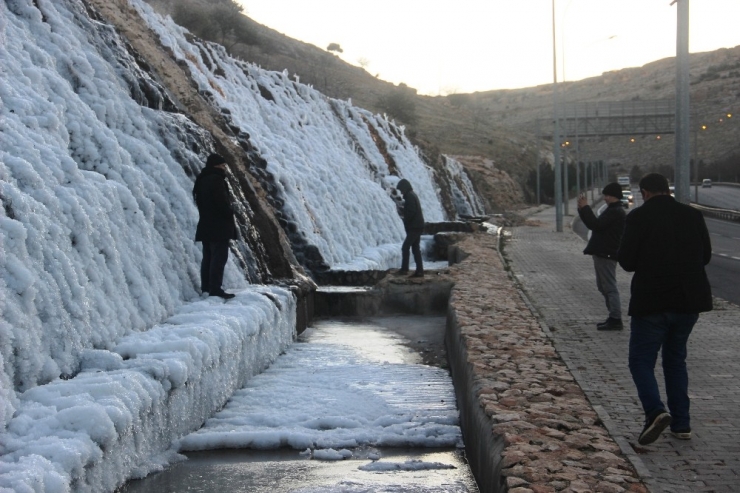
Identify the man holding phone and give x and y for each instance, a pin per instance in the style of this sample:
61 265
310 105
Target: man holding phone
606 233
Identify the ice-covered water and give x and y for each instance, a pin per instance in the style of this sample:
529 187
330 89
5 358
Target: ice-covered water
354 402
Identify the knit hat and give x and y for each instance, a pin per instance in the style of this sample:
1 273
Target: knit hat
404 186
613 190
214 160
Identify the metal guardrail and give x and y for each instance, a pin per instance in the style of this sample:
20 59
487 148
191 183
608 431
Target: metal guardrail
724 214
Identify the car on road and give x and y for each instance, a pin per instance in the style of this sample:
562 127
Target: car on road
625 201
706 183
628 195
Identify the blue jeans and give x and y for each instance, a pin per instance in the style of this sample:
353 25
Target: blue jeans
648 334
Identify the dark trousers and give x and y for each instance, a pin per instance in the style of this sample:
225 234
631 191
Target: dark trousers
215 254
606 282
413 238
668 333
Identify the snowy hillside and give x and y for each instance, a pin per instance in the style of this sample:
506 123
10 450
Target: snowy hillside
104 340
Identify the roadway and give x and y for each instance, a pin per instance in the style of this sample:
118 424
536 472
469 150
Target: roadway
724 269
723 197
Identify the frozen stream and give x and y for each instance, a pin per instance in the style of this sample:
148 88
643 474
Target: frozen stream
356 405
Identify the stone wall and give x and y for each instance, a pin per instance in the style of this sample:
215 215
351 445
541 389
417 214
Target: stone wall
528 426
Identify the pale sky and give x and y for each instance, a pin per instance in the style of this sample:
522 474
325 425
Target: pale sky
448 46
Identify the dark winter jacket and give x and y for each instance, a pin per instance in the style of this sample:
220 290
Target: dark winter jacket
666 244
413 218
606 230
214 205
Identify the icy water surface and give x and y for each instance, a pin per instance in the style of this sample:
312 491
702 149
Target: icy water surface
356 403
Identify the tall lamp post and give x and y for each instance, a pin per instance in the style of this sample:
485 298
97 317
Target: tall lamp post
696 161
556 136
682 165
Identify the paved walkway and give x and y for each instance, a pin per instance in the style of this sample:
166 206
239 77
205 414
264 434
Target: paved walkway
560 282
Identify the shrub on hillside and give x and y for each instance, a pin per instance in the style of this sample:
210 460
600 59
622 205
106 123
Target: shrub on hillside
220 21
400 104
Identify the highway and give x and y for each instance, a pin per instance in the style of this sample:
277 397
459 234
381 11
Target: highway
724 269
724 197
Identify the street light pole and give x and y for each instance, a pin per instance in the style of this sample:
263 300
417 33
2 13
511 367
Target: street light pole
696 165
556 135
537 158
682 164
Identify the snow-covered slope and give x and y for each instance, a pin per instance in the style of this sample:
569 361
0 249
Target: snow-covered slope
104 340
322 163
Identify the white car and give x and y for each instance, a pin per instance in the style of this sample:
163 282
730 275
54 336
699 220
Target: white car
706 183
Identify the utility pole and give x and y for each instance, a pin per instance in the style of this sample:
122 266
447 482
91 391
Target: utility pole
537 158
682 165
566 195
578 158
696 165
556 136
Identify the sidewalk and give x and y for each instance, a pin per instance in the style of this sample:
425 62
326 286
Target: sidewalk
560 282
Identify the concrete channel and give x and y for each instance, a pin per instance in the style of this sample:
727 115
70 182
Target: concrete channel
396 320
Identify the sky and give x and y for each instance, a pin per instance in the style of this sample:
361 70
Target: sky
446 46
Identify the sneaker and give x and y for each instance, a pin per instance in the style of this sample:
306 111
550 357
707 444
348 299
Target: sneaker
223 294
417 274
654 427
682 434
610 324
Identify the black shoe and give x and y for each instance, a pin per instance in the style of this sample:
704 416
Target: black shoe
223 294
682 434
401 272
418 273
610 324
654 427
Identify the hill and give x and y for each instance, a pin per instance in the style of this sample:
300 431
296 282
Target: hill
500 125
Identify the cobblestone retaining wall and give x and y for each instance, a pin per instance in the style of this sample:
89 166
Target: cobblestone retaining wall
528 426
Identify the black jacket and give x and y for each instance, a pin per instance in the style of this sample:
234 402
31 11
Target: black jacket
413 218
606 230
212 197
666 244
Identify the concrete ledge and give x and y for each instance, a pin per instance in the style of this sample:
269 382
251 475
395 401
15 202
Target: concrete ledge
419 297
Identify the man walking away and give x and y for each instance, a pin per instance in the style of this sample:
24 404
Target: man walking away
215 226
666 244
606 233
413 223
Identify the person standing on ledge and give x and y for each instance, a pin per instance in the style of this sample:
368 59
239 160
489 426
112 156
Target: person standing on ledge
606 233
413 223
215 226
666 244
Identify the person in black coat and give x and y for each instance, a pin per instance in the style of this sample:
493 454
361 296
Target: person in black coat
413 223
666 244
606 232
216 224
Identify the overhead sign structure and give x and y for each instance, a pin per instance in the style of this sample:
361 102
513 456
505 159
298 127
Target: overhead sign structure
614 118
